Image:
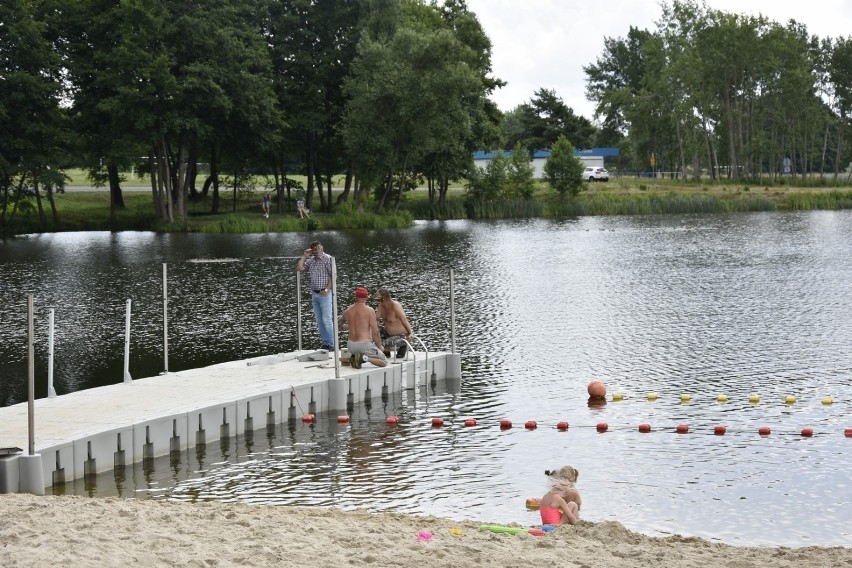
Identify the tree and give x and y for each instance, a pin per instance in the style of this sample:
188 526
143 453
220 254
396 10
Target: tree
562 170
519 174
544 118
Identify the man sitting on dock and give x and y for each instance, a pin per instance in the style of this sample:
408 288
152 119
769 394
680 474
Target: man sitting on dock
363 332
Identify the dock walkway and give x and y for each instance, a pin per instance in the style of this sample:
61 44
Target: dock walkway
95 430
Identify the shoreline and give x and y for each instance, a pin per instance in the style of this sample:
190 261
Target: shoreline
80 531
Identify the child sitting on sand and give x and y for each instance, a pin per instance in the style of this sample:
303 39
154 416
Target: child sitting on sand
561 505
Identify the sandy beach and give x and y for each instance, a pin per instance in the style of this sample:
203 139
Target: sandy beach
80 531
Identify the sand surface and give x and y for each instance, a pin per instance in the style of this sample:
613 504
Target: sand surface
80 531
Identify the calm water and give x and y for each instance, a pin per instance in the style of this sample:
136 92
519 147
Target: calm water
737 304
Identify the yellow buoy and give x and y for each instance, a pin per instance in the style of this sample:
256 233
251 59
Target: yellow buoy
652 396
722 398
617 396
827 400
790 399
685 397
753 398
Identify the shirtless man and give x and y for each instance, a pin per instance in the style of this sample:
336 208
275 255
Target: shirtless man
396 328
363 332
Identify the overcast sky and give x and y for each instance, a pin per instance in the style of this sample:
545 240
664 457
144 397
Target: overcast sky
545 43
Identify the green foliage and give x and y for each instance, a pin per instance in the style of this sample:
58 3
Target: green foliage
562 170
519 175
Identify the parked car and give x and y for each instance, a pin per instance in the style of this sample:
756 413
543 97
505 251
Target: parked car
596 174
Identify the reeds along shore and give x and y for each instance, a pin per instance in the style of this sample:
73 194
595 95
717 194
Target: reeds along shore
85 532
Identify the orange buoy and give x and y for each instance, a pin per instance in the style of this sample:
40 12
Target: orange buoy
505 424
437 422
562 426
308 418
682 429
470 422
602 426
343 419
763 430
531 425
719 430
533 504
807 432
848 432
644 427
392 420
596 389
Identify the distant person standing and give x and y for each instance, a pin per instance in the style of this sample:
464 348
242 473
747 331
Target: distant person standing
395 329
318 265
266 204
300 207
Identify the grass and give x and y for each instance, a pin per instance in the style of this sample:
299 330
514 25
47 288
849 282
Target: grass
89 210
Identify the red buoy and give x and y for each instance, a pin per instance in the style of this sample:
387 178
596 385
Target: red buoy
682 429
343 419
392 420
644 427
807 432
437 422
505 424
531 425
719 430
763 430
470 422
308 418
562 426
848 432
602 426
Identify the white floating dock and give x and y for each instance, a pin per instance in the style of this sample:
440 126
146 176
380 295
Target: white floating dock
96 430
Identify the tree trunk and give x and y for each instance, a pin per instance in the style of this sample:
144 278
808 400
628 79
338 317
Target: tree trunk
42 220
116 199
309 191
214 174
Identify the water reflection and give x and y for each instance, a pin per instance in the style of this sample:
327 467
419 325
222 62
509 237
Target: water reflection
736 304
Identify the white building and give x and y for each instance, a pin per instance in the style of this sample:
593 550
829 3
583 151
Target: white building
593 157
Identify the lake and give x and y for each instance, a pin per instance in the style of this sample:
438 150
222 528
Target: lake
703 305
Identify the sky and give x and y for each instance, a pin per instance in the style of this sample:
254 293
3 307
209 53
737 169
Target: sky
545 43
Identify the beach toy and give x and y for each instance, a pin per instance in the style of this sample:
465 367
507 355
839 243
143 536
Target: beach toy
617 396
456 532
753 398
602 426
470 422
562 426
763 430
807 432
423 536
533 504
722 398
827 400
548 528
308 418
596 389
848 432
437 422
682 429
652 396
505 424
685 397
392 420
501 529
790 399
343 419
719 430
531 425
645 428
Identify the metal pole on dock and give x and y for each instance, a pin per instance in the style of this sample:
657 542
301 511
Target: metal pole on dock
127 378
51 392
299 309
30 376
452 313
334 295
165 321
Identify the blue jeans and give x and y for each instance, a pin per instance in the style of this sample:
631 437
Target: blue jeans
323 310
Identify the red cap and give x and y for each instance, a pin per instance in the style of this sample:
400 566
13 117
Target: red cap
361 293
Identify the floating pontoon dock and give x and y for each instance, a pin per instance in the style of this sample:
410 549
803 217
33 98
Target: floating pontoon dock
99 429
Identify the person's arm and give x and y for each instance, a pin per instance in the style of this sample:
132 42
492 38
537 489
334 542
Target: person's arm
300 266
403 319
329 287
374 329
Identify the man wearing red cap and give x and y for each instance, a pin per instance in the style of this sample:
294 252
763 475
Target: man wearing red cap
363 332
